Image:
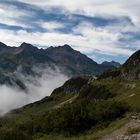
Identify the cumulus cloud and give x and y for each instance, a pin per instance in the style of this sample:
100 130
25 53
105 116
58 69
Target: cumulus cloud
37 88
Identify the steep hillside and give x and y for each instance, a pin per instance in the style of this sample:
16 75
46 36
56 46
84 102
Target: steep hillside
73 109
130 70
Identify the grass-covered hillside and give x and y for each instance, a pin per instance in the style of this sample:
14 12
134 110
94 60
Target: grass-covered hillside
83 108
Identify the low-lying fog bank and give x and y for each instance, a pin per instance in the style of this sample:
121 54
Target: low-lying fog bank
37 88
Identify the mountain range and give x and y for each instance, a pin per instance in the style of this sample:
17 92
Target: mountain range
27 56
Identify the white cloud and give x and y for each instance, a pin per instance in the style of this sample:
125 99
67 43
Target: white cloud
105 8
12 16
51 25
86 39
37 88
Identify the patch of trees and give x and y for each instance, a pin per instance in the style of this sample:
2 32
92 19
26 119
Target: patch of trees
80 116
14 134
111 74
71 119
71 86
94 108
96 91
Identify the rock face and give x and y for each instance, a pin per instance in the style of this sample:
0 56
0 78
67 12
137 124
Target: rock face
131 68
131 137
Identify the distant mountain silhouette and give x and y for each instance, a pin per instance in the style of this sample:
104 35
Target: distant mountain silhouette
111 63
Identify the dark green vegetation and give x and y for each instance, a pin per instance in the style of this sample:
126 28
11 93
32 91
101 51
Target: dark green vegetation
80 105
83 108
27 56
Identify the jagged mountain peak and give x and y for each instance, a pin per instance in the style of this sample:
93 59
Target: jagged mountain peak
27 45
65 47
2 45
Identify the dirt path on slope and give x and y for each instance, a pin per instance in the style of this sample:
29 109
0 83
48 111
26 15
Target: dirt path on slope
119 133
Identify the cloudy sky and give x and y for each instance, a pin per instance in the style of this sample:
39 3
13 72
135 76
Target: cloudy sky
102 29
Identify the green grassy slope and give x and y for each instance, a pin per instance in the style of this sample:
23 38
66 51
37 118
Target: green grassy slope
69 95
